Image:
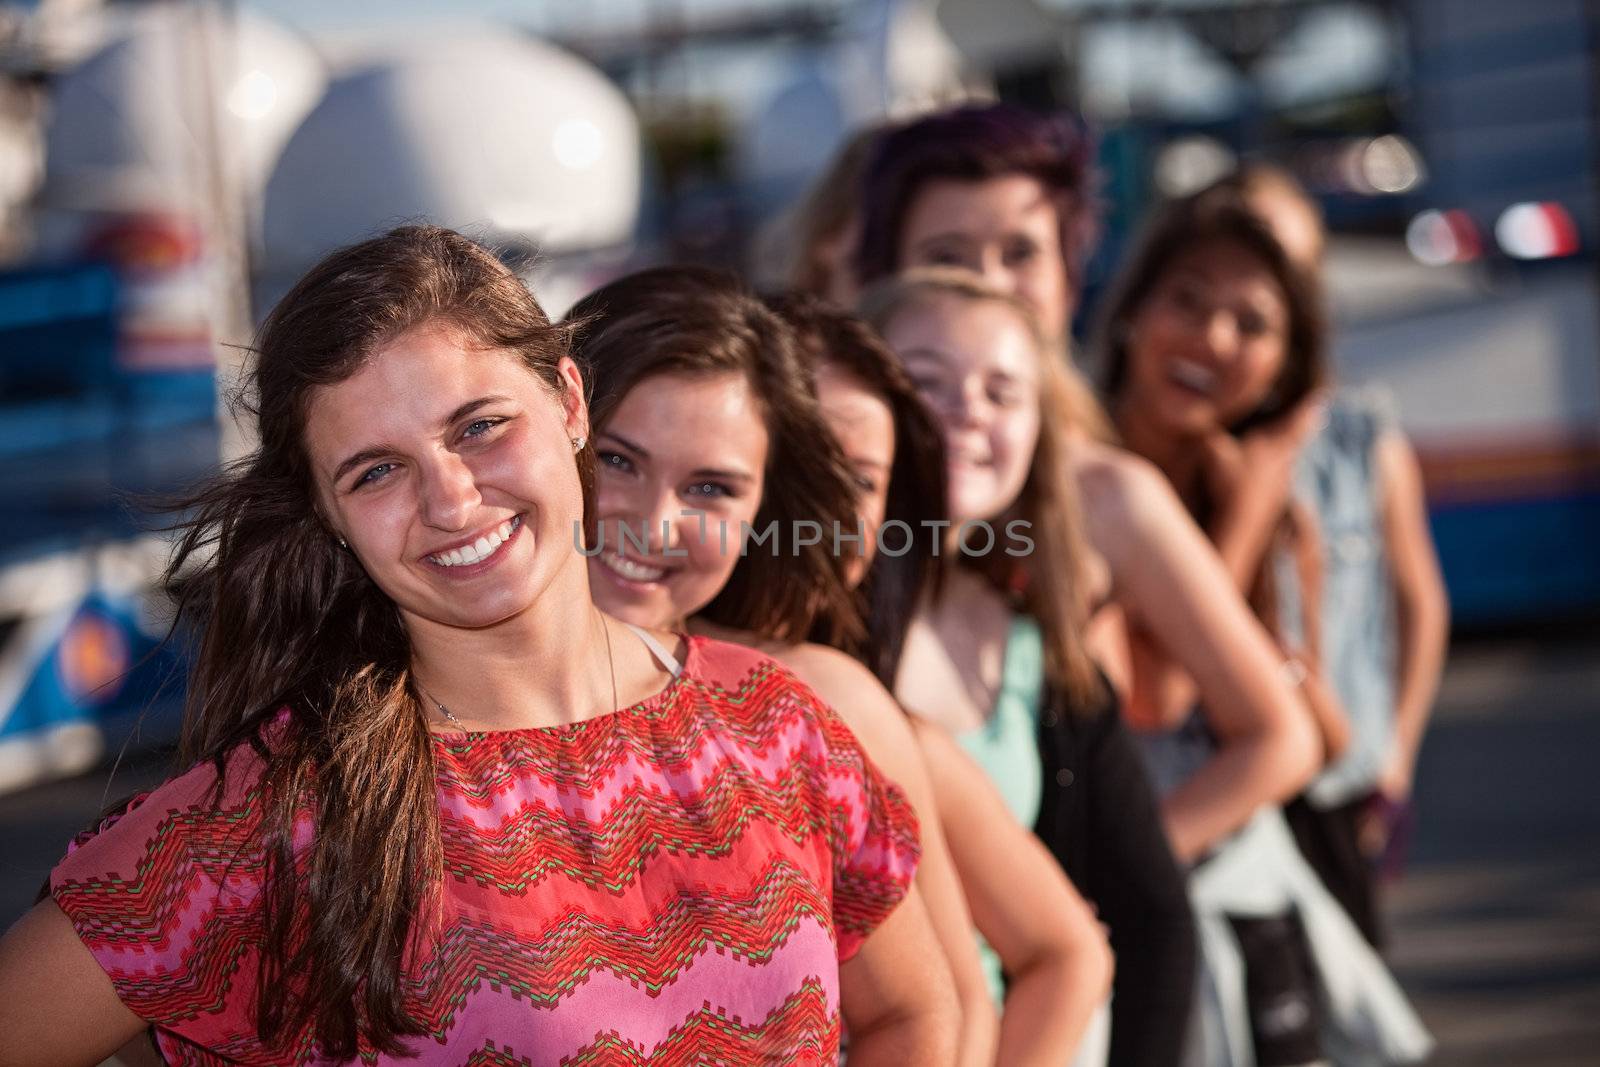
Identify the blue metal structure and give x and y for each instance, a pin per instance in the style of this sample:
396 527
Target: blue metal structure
83 441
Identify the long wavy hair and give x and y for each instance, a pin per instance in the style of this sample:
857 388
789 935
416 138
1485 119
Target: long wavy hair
894 586
304 659
696 321
1049 580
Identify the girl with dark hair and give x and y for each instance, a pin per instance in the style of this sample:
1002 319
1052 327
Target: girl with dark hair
892 445
710 444
1190 257
995 189
1383 622
435 803
1213 362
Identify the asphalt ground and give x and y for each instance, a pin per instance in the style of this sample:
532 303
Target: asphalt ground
1496 924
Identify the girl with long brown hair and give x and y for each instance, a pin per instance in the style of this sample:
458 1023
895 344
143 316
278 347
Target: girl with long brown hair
434 804
710 443
1213 362
890 441
1369 606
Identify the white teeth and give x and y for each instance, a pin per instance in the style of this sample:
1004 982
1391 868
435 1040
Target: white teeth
479 550
632 569
1192 374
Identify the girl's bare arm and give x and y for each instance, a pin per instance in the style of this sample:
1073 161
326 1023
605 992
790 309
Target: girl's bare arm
57 1006
1053 951
1422 605
885 733
1187 610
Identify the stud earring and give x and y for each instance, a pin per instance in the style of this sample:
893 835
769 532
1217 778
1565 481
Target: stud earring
342 543
578 443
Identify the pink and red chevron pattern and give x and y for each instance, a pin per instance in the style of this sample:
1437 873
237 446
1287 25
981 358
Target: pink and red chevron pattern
672 883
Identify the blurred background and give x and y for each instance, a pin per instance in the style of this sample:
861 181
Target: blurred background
168 169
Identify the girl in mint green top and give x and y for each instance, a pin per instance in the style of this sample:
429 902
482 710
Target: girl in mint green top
998 657
1007 748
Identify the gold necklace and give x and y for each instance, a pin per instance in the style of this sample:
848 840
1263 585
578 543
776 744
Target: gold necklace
611 662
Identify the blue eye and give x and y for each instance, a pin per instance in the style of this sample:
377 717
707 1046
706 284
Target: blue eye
374 474
479 427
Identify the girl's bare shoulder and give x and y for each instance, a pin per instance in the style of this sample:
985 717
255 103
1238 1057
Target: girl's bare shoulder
1108 475
855 694
819 666
1124 495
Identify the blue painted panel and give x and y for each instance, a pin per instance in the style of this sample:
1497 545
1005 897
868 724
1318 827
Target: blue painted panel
100 669
1519 560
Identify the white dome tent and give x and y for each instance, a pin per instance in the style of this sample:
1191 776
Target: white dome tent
509 139
175 91
159 145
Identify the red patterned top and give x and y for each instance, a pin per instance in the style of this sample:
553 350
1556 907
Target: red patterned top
675 882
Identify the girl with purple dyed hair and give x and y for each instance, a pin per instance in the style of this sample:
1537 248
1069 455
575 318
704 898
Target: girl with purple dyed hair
997 190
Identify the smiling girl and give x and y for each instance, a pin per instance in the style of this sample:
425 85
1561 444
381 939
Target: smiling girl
435 805
1370 603
1001 657
896 451
1213 362
707 429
